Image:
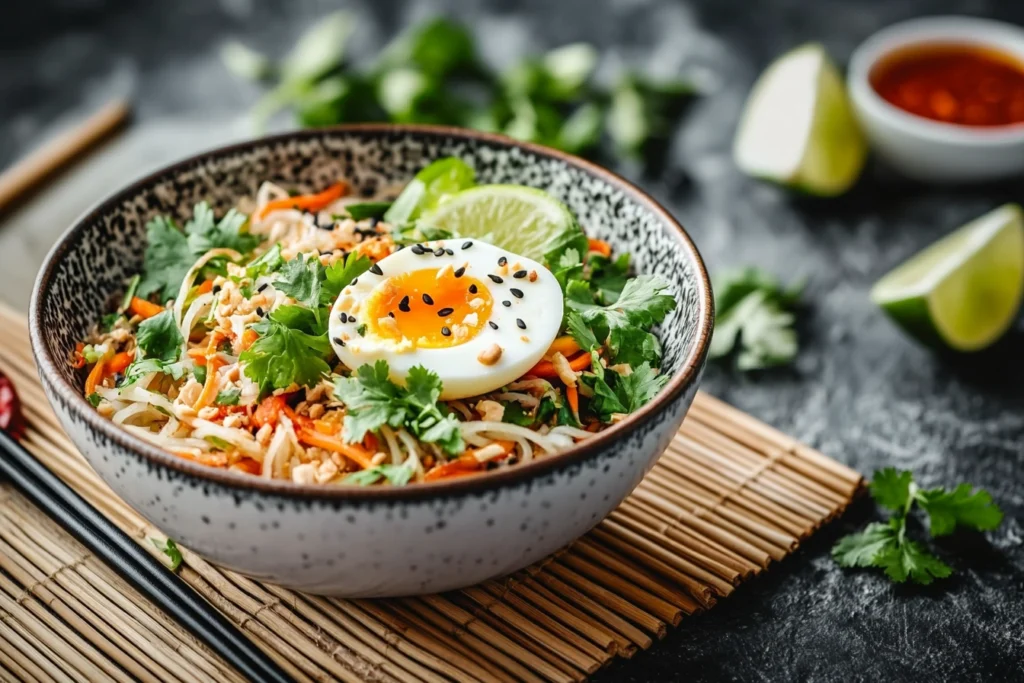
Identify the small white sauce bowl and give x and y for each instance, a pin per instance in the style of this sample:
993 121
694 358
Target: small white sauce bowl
921 148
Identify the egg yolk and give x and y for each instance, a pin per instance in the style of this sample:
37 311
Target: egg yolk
432 308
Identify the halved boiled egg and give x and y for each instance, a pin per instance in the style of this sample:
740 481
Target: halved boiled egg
478 316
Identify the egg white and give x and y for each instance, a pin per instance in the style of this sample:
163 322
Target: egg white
462 373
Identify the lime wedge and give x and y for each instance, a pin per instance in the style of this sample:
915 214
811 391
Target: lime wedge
963 291
432 184
798 128
524 220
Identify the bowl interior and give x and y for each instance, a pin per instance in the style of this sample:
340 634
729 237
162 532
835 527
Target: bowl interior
88 267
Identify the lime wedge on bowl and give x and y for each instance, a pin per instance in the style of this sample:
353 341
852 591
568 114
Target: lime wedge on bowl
798 128
963 291
524 220
426 190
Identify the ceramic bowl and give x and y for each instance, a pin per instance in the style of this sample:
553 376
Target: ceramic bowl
923 149
376 541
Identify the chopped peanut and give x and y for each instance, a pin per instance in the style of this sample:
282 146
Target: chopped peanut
490 355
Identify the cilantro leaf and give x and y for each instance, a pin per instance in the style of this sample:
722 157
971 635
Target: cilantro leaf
887 546
963 506
568 268
515 414
269 261
364 210
891 488
285 354
910 559
158 337
170 549
167 259
642 304
863 548
171 252
300 278
752 316
340 275
228 397
613 393
607 277
140 368
373 400
397 475
94 399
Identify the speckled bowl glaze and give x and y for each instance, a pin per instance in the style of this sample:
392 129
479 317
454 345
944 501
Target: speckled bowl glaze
375 541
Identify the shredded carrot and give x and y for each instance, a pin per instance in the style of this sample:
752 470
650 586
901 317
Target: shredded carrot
566 346
209 392
247 465
328 428
198 356
307 202
300 421
145 309
600 246
205 287
352 451
547 370
573 395
249 338
119 362
464 464
268 411
96 376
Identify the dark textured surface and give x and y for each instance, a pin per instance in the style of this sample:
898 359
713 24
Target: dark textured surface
859 391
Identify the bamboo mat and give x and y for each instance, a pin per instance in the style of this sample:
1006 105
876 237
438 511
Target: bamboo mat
729 497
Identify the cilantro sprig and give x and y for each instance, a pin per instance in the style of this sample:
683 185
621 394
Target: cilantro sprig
754 319
372 400
396 475
886 544
171 251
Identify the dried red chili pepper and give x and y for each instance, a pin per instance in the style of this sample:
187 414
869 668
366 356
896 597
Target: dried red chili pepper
11 419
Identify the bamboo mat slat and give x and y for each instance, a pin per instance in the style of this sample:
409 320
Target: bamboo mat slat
729 497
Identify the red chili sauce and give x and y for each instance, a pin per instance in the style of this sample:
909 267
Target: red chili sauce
959 84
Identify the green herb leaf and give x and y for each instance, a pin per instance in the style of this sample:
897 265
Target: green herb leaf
268 262
199 372
109 320
910 559
396 475
862 549
340 275
751 317
319 50
140 368
129 293
94 399
158 337
963 506
286 351
515 414
891 488
170 549
300 279
373 400
440 179
228 397
364 210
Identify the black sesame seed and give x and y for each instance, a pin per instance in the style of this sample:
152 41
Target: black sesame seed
495 279
427 299
216 289
418 249
343 317
460 271
493 324
472 289
445 312
354 281
467 245
375 269
439 251
502 261
517 293
506 303
520 323
449 252
403 305
391 314
259 311
519 274
446 332
339 341
262 287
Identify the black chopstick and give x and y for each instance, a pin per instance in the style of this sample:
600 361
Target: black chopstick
132 563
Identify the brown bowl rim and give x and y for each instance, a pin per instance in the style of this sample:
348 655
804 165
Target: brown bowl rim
687 375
